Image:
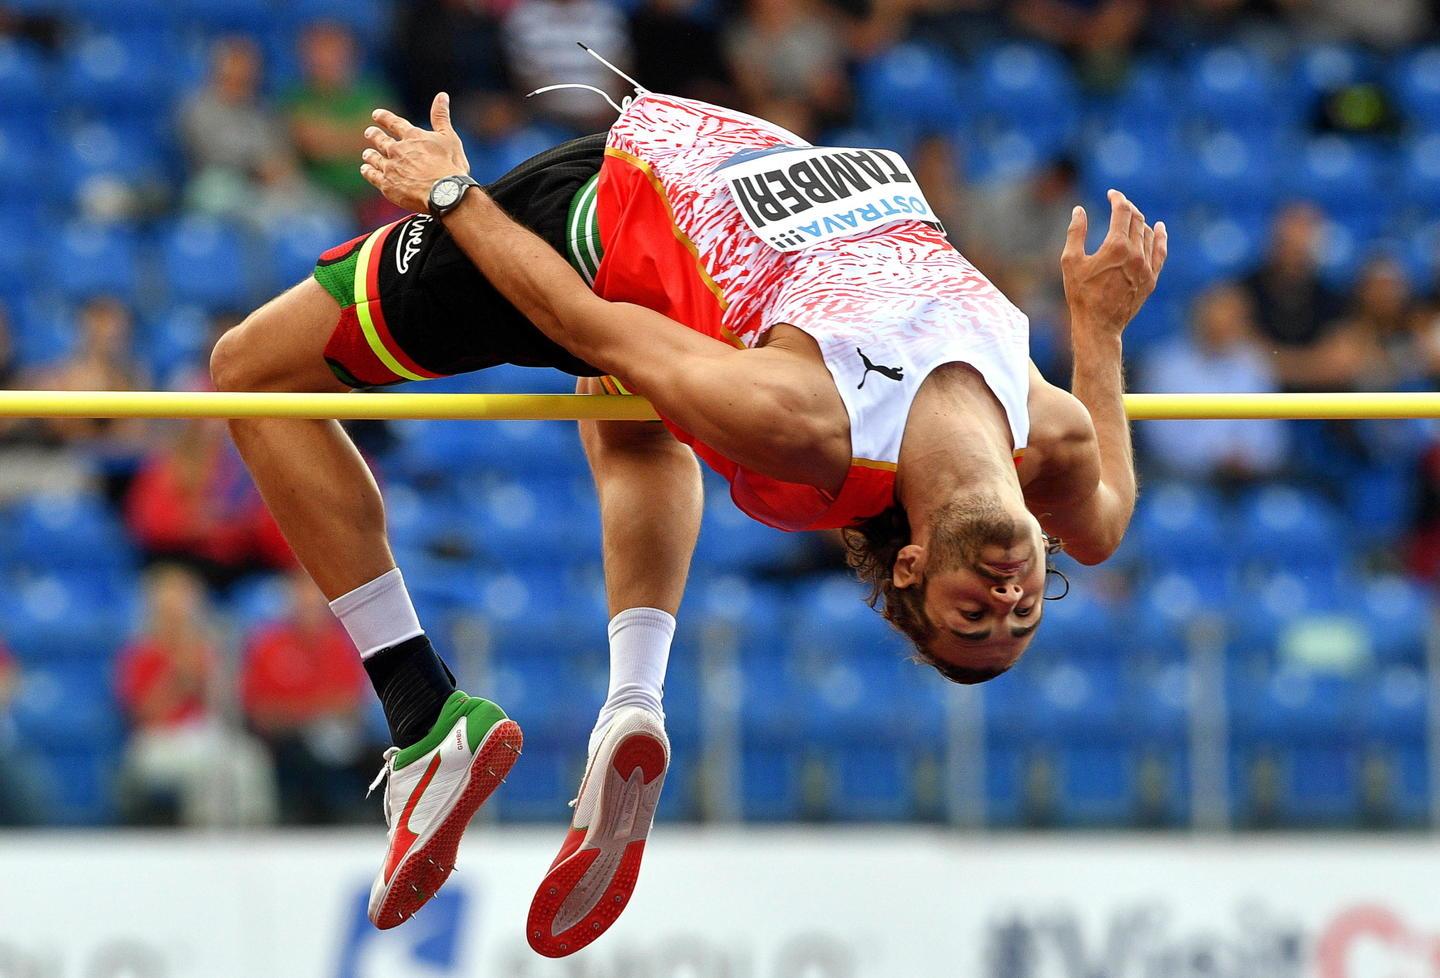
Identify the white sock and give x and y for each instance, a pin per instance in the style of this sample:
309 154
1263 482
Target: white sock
378 614
639 651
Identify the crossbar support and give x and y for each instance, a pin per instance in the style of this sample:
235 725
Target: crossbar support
562 407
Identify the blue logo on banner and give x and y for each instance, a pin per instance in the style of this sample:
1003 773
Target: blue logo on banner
428 944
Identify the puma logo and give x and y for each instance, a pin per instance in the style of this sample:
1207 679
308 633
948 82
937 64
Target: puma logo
894 373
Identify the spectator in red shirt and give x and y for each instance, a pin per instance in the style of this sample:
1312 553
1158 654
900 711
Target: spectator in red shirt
182 763
193 503
304 690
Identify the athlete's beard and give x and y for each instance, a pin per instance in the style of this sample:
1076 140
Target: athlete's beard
963 528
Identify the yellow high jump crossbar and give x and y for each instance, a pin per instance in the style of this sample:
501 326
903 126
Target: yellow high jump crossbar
604 407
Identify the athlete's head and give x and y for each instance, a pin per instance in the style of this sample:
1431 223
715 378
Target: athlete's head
968 591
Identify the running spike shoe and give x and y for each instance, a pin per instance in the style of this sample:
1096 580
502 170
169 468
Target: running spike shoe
591 880
432 790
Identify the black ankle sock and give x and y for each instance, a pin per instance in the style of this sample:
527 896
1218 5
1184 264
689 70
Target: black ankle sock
413 684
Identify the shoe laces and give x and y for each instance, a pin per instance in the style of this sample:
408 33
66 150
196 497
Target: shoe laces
383 778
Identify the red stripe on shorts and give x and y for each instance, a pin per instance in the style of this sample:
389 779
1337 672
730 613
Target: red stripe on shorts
377 312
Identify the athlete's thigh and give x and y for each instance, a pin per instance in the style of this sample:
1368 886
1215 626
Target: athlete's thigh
281 345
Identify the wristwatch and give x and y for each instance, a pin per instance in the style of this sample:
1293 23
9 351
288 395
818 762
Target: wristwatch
447 192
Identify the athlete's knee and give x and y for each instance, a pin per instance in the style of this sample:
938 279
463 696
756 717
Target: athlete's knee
235 362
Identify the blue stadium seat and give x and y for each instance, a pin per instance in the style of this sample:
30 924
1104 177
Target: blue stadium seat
1028 89
1078 626
294 244
119 75
910 90
507 378
70 531
87 259
1138 162
730 540
99 160
1420 172
57 699
548 701
832 620
26 82
1097 783
366 17
1233 86
82 786
206 263
176 342
1181 527
1284 528
249 16
1323 68
545 778
872 783
1344 177
770 779
1226 166
1416 83
1397 613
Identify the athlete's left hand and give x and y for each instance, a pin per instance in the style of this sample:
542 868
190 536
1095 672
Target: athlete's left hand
403 160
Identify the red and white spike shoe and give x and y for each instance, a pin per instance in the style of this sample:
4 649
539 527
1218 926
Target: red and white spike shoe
591 880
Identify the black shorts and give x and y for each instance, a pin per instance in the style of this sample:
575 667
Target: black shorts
414 307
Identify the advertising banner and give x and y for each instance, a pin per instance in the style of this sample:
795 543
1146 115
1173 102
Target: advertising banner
730 904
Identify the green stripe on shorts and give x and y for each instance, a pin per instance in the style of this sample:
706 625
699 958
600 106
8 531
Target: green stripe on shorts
582 231
338 278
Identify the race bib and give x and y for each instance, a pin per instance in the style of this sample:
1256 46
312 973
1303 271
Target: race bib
795 197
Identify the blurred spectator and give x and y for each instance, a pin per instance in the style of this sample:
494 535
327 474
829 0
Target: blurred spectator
1384 24
1220 356
500 134
193 503
1019 228
242 163
679 54
788 51
1294 308
182 765
19 789
1376 345
103 360
1423 545
303 689
1098 33
329 113
540 46
446 45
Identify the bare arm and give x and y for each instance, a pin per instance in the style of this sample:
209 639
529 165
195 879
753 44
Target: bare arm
728 398
1104 291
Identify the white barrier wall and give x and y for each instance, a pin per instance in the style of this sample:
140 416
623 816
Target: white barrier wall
783 904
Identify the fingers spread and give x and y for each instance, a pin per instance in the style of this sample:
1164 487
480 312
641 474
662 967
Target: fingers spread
1075 236
440 112
1148 245
392 123
378 138
1119 215
371 174
1161 249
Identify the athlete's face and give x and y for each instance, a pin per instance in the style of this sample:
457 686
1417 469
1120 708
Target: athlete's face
984 578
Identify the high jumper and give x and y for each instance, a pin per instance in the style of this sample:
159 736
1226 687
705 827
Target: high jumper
799 321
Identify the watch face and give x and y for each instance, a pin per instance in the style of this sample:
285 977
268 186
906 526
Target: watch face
445 193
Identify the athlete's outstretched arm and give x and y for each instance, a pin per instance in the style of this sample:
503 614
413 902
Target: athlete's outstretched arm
730 399
1104 292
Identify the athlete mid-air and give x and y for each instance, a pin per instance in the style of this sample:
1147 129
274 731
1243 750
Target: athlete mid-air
797 317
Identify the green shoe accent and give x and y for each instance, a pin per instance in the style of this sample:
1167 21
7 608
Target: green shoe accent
480 716
482 719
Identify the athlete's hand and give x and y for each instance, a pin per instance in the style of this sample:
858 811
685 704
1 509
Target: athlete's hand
403 160
1105 290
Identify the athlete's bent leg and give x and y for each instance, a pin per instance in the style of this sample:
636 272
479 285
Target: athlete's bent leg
650 509
452 750
309 473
